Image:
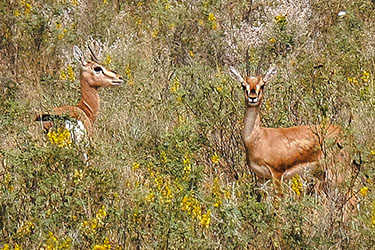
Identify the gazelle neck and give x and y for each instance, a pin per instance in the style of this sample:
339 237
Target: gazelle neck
89 102
251 121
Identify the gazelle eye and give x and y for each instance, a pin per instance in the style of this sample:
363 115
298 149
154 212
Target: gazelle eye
243 87
98 69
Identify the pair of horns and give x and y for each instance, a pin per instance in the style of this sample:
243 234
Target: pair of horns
237 76
90 45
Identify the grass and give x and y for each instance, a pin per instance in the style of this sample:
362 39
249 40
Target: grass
167 165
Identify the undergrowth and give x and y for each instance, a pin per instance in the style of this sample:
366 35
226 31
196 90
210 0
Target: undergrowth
166 164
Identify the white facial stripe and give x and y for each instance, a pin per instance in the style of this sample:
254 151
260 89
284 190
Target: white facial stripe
257 89
109 73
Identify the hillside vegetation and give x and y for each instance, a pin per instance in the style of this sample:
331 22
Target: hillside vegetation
166 161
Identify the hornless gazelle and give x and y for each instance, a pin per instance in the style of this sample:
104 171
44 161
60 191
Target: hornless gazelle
79 119
278 153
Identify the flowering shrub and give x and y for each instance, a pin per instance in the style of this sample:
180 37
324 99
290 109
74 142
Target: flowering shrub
166 160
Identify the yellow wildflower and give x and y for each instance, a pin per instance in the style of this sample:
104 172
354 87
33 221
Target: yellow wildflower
219 89
191 206
163 157
74 2
191 53
197 210
155 33
353 80
105 1
364 191
98 247
185 204
186 159
62 75
181 118
215 158
78 175
373 214
166 194
135 166
58 25
108 60
17 13
129 74
206 219
366 76
84 223
272 40
179 99
150 197
101 214
159 182
175 85
105 245
52 236
136 217
5 247
25 229
216 193
60 137
187 171
27 8
281 20
297 185
70 72
212 19
179 187
372 152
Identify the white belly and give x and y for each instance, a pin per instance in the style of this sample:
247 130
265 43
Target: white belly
299 169
76 129
261 171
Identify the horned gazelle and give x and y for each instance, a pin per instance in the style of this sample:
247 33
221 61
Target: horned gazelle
93 75
278 153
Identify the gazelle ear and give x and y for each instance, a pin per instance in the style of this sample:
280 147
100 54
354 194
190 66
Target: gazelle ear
78 55
271 72
236 75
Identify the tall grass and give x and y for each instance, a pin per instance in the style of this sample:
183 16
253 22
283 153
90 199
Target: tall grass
167 166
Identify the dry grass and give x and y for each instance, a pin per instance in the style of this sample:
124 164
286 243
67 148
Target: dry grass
167 153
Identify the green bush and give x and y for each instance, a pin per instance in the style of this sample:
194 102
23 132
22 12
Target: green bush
166 164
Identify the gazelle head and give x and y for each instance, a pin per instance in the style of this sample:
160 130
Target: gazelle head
95 73
253 86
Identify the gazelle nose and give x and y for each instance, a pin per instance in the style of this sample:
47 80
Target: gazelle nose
121 78
253 99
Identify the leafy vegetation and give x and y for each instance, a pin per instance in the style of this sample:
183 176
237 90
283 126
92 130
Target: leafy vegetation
166 164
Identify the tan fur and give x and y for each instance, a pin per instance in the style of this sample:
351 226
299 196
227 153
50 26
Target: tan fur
279 153
87 108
